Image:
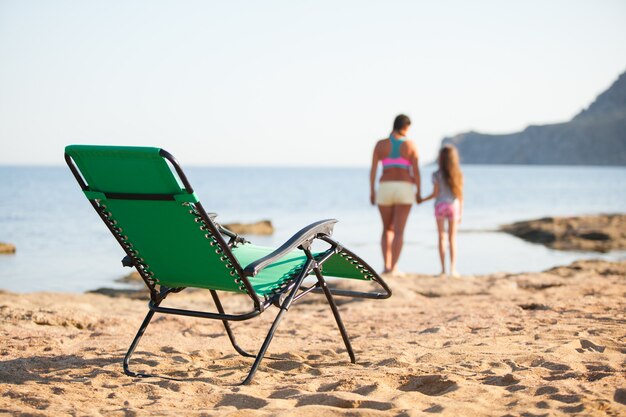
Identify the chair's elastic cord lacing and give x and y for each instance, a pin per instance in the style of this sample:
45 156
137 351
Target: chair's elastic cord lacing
128 246
359 266
216 244
285 280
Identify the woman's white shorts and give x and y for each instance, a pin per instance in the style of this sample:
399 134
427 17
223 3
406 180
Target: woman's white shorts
395 192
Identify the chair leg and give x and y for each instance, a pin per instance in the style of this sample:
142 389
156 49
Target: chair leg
283 308
133 345
333 307
229 331
266 344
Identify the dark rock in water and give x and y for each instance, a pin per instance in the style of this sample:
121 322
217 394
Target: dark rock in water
7 248
596 136
600 233
263 227
135 294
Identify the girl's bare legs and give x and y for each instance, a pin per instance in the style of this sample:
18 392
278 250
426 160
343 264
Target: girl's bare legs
386 239
452 237
400 216
441 229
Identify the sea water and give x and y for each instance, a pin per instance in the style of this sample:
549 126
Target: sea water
62 245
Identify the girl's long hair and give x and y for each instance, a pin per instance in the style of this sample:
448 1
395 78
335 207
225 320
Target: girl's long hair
451 169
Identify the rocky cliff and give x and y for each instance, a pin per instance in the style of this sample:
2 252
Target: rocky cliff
596 136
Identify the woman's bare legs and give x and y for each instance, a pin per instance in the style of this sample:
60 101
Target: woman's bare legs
386 239
452 238
392 239
441 229
400 216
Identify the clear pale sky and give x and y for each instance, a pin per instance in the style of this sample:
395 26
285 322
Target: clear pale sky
293 82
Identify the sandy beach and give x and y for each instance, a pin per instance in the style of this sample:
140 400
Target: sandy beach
540 344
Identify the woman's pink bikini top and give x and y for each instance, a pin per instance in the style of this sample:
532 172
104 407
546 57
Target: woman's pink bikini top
394 159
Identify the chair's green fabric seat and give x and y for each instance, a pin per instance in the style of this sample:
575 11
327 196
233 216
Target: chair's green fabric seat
342 265
272 276
290 265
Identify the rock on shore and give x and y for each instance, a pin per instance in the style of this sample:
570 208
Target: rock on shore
7 248
598 233
263 227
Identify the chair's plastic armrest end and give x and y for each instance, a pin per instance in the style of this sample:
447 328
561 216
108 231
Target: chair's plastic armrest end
300 239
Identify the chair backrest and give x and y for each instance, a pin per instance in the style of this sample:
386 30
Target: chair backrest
147 202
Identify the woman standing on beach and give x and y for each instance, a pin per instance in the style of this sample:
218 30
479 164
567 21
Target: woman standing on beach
448 195
395 194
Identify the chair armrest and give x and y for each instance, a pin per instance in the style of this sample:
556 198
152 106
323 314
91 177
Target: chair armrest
322 227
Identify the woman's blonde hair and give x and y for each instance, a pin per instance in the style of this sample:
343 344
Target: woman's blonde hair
451 169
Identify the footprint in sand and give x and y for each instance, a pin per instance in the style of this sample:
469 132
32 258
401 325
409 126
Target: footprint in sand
589 346
558 370
430 330
573 409
432 385
285 394
341 385
368 389
434 409
501 381
340 401
534 306
598 371
546 390
241 401
169 385
514 367
285 365
393 363
38 403
180 359
564 398
169 349
620 396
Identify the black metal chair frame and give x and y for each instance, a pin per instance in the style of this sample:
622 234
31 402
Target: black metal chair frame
292 291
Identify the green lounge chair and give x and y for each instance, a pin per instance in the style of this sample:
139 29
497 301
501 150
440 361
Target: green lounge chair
146 201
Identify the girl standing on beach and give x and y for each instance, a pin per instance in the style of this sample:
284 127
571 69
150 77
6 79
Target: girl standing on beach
448 195
395 195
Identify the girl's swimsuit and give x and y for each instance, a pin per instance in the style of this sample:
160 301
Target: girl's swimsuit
450 211
395 159
447 206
